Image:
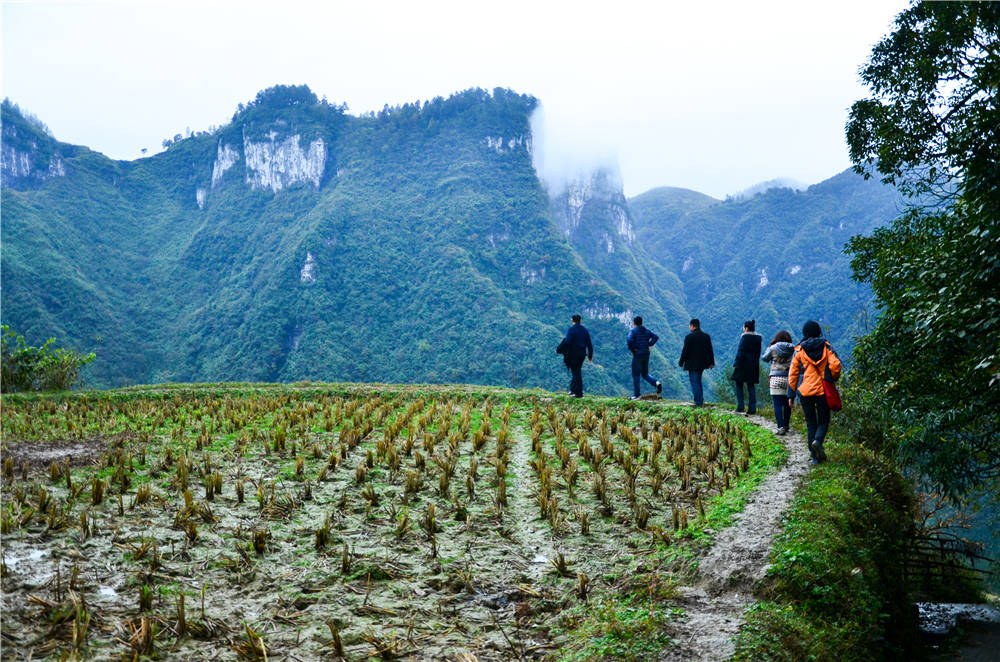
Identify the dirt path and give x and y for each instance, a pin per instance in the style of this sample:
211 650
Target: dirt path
715 600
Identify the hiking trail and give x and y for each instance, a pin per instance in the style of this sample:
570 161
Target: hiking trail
716 597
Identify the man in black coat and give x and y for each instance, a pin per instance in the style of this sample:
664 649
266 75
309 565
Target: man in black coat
697 356
575 347
746 367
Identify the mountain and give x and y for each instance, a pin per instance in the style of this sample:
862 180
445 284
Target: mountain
595 218
298 242
776 257
416 244
764 187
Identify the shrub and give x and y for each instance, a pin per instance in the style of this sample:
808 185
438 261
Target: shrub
26 368
836 587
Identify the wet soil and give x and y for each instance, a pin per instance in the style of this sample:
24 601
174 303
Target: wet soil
40 454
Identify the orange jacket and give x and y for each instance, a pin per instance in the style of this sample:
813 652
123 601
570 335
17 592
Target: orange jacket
812 371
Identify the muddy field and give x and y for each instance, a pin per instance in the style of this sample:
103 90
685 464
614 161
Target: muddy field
317 523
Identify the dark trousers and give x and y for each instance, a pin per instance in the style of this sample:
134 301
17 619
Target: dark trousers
751 397
694 376
782 412
817 415
640 368
575 366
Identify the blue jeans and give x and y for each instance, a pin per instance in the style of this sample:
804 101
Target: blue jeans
640 368
696 391
751 397
817 414
782 412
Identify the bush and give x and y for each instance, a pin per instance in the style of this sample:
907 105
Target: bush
836 588
26 368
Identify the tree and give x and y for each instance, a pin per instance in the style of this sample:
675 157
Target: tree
931 366
26 368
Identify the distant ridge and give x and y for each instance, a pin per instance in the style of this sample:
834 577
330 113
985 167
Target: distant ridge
763 187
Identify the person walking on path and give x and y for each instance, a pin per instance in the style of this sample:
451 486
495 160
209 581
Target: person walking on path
813 360
575 347
639 340
746 367
779 355
696 357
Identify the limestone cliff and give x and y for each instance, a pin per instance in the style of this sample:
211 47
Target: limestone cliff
273 163
278 164
593 209
29 155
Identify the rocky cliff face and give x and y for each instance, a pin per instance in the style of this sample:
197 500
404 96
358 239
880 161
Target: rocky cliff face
28 157
273 163
278 164
593 209
226 158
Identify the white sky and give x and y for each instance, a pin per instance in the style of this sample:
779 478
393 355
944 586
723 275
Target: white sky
709 96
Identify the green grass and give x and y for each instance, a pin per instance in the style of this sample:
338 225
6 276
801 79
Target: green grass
629 629
836 588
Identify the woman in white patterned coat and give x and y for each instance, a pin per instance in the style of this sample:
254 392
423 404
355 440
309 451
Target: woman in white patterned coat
779 355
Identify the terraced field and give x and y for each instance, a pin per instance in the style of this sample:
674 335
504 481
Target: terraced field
329 521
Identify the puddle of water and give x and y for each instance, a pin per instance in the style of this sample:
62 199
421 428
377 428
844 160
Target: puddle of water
32 555
939 618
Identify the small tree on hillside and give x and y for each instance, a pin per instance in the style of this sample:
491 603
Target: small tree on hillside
26 368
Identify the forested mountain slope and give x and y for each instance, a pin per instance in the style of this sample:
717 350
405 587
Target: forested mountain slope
299 242
413 245
776 257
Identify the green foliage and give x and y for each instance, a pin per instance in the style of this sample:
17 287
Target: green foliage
775 257
932 115
836 588
26 134
42 368
931 366
632 627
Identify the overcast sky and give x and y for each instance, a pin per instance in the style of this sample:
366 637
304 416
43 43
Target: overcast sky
709 96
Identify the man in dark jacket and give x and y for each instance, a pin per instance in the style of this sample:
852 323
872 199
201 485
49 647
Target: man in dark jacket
575 347
640 339
746 367
697 356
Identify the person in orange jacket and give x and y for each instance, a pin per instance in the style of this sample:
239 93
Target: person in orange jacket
813 359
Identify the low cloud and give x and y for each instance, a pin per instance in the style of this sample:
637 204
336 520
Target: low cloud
567 148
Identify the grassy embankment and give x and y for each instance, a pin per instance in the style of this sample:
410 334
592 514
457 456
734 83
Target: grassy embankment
838 587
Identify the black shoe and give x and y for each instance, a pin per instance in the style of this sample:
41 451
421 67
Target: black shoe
659 387
818 452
